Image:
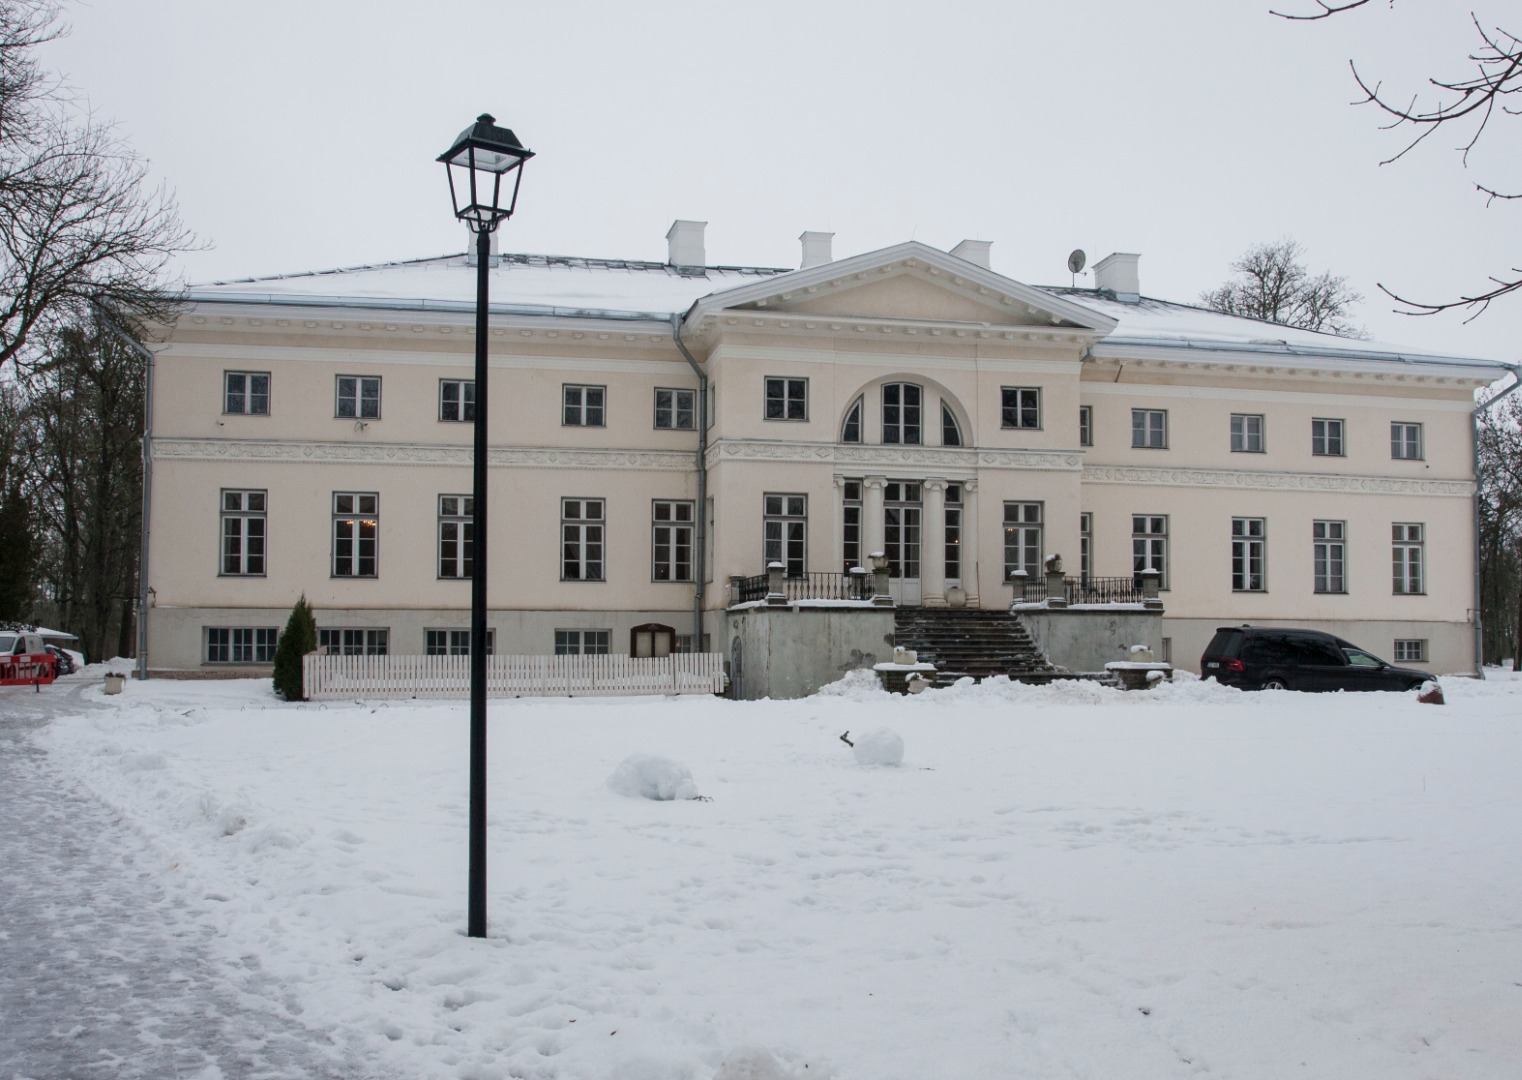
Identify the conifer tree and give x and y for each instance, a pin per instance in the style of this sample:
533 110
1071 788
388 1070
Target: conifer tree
298 639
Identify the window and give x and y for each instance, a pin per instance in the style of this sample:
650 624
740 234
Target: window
951 431
454 642
354 641
1326 438
953 532
901 414
1022 538
901 528
457 400
457 554
246 392
850 431
1329 555
1406 546
1020 406
676 410
241 644
1149 429
581 539
358 397
784 532
243 533
1249 539
1085 545
583 405
1149 546
582 642
1246 433
671 541
1410 650
1406 441
355 526
684 642
787 399
850 525
1085 425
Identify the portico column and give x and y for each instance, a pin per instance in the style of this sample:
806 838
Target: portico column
970 529
933 544
872 510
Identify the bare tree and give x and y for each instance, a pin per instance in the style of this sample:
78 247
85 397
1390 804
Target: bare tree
1272 283
1465 103
78 223
1500 472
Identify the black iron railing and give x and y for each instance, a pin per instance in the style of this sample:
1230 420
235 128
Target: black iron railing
806 586
1084 590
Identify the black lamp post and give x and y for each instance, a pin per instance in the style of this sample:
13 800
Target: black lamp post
482 161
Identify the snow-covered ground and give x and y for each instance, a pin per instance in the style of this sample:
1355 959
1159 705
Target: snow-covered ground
1055 882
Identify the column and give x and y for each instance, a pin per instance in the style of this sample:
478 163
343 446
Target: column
872 536
970 530
933 543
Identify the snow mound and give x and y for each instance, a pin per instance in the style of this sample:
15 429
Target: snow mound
880 746
646 776
862 684
752 1063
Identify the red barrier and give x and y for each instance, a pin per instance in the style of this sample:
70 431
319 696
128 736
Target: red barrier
27 669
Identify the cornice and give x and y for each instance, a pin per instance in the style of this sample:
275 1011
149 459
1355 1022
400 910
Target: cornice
412 454
350 318
1246 480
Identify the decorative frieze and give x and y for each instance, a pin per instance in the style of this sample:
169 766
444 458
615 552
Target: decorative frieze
1246 480
394 454
894 459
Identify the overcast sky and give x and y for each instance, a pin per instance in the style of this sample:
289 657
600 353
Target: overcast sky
302 135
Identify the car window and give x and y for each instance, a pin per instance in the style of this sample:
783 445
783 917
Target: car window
1269 649
1314 650
7 643
1359 658
1225 644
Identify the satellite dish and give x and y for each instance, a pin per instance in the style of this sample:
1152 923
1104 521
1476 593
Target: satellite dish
1077 261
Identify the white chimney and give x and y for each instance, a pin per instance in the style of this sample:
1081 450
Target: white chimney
974 251
684 243
816 248
470 248
1118 273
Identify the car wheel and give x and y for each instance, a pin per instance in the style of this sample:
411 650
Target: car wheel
1275 684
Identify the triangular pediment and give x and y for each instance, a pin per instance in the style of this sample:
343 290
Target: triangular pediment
908 282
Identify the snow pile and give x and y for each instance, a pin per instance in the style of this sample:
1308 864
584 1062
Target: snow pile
880 746
647 776
862 684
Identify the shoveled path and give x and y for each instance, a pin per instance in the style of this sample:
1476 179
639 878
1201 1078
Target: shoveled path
105 972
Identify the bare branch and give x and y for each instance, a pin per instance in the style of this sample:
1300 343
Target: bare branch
1327 11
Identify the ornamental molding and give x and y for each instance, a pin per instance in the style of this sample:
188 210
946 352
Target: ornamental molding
1274 481
393 454
936 460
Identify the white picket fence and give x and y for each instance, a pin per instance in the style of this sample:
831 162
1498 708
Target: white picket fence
329 677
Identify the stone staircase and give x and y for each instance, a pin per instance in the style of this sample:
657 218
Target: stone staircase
962 642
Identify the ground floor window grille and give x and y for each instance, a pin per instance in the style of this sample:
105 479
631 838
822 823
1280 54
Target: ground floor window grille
241 644
1410 650
582 642
784 533
354 641
1249 552
454 642
1022 538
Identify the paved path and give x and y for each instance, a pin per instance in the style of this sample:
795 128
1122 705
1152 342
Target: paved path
103 971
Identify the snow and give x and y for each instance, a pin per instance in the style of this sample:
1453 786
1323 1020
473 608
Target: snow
880 746
649 776
1064 881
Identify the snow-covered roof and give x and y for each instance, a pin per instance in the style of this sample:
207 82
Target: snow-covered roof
633 289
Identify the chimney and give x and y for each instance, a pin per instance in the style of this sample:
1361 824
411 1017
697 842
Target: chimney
1118 274
684 244
974 251
816 249
470 248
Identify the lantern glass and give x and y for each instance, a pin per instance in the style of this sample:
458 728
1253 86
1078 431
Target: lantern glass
485 167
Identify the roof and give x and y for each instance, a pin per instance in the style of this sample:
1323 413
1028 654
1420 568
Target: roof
634 289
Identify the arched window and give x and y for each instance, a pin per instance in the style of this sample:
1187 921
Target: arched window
951 435
850 431
901 413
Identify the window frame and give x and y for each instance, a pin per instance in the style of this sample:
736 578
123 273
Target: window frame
245 516
589 536
1323 442
1402 648
1399 443
583 413
461 518
1248 548
1242 437
247 393
673 526
787 401
360 400
674 409
564 642
1149 546
1014 409
788 521
908 427
1323 545
456 641
1023 526
357 517
1408 556
1085 425
850 427
461 406
372 640
1143 435
261 643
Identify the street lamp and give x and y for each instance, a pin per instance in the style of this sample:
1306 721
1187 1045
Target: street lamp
482 161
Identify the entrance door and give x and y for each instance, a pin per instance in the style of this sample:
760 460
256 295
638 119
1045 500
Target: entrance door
901 540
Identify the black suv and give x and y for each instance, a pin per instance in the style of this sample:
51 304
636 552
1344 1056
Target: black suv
1271 658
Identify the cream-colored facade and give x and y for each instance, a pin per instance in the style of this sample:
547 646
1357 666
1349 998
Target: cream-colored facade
305 440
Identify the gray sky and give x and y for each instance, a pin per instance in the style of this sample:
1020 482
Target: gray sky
301 136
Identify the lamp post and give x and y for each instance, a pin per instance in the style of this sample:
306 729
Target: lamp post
481 163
